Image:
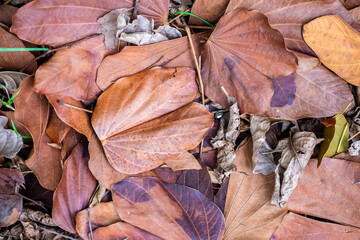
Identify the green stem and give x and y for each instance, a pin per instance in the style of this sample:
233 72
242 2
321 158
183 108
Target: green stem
22 49
190 14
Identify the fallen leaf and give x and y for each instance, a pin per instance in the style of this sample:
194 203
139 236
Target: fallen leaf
102 214
72 72
289 170
258 128
306 63
155 127
243 44
123 230
14 61
47 22
289 17
209 10
134 59
220 197
117 25
336 44
32 111
248 212
350 4
197 179
10 142
296 227
225 140
185 161
75 188
69 143
11 80
336 134
56 129
6 14
356 13
77 119
266 164
11 204
20 128
329 191
166 210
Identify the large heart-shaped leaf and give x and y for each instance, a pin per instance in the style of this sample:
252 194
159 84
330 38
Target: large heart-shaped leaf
168 211
297 227
140 130
14 60
49 22
240 56
330 191
248 212
72 72
134 59
337 45
75 188
33 111
289 16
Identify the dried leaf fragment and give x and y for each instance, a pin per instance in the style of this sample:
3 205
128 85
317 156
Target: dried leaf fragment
337 45
10 142
258 128
290 168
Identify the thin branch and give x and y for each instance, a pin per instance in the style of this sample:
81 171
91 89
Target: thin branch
54 232
74 107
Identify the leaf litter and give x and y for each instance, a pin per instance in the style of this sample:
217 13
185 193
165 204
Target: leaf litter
114 112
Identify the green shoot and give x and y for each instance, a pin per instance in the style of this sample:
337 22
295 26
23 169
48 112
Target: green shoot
11 100
190 14
22 49
15 130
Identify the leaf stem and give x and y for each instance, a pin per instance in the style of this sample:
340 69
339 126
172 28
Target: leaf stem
22 49
193 15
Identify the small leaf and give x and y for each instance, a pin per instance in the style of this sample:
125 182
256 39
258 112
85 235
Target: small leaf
336 44
336 134
168 211
10 142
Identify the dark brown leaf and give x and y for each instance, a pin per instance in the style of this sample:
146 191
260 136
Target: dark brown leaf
75 188
32 111
56 129
6 13
14 60
168 211
209 10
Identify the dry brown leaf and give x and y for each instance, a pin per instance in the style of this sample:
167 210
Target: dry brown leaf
289 16
306 63
356 13
225 141
258 128
56 129
209 10
330 191
148 120
297 227
350 4
290 168
6 13
10 142
134 59
336 44
102 214
185 161
248 212
14 61
33 111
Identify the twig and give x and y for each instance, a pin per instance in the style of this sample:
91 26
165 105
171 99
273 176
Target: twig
72 106
41 56
33 201
134 13
178 16
196 64
54 232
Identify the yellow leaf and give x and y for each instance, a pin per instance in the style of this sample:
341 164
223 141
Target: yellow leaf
336 44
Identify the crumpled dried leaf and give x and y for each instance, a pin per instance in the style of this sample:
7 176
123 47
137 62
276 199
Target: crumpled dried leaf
179 5
336 44
169 211
11 204
135 59
296 227
102 214
10 142
14 61
354 149
225 139
153 121
290 168
265 164
116 26
336 134
258 128
32 111
11 80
